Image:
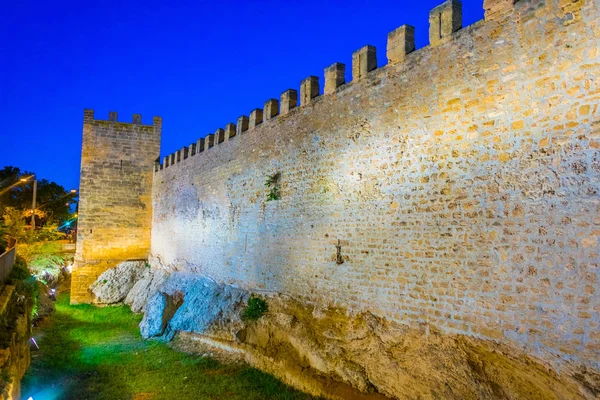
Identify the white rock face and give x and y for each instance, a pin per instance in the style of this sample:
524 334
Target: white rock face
192 304
113 285
145 288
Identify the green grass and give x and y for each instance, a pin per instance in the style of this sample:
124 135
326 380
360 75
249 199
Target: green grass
98 353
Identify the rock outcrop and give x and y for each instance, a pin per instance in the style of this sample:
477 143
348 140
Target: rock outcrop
338 355
333 353
144 288
191 304
114 284
45 301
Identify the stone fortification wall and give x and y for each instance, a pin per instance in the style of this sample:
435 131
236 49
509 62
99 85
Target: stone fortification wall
115 208
457 186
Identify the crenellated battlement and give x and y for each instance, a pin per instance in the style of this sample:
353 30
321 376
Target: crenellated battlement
445 21
136 121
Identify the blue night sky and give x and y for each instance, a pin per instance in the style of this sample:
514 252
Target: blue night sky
197 64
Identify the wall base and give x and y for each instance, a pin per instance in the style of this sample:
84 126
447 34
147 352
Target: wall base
84 274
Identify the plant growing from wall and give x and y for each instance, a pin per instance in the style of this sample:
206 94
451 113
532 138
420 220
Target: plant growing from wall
272 183
256 308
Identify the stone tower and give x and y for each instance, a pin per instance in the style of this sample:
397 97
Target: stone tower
115 208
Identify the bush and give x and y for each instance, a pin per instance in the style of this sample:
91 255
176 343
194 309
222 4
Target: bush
43 256
25 284
256 308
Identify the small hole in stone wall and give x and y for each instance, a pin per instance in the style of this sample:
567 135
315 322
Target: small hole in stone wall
339 260
90 231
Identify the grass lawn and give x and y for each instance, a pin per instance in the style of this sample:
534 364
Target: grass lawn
98 353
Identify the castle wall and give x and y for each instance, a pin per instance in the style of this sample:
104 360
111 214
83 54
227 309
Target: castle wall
115 207
457 187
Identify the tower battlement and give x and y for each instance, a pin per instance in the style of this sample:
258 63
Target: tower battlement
115 208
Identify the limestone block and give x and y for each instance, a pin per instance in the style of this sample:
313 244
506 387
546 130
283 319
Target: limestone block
200 145
334 77
256 117
209 141
364 60
242 125
400 42
144 288
153 323
444 20
230 131
495 9
114 284
165 161
88 115
271 109
157 124
289 100
309 89
219 136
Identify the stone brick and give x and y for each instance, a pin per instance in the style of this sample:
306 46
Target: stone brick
400 42
271 109
309 89
256 117
230 131
242 125
219 136
200 145
495 9
334 77
444 20
289 100
364 60
209 141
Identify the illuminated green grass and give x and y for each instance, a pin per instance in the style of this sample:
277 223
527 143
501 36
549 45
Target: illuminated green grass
98 353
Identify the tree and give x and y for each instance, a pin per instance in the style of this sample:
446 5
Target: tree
3 237
15 224
54 203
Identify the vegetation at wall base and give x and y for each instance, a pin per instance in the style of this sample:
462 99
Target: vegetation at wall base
257 307
44 257
98 353
25 285
20 305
